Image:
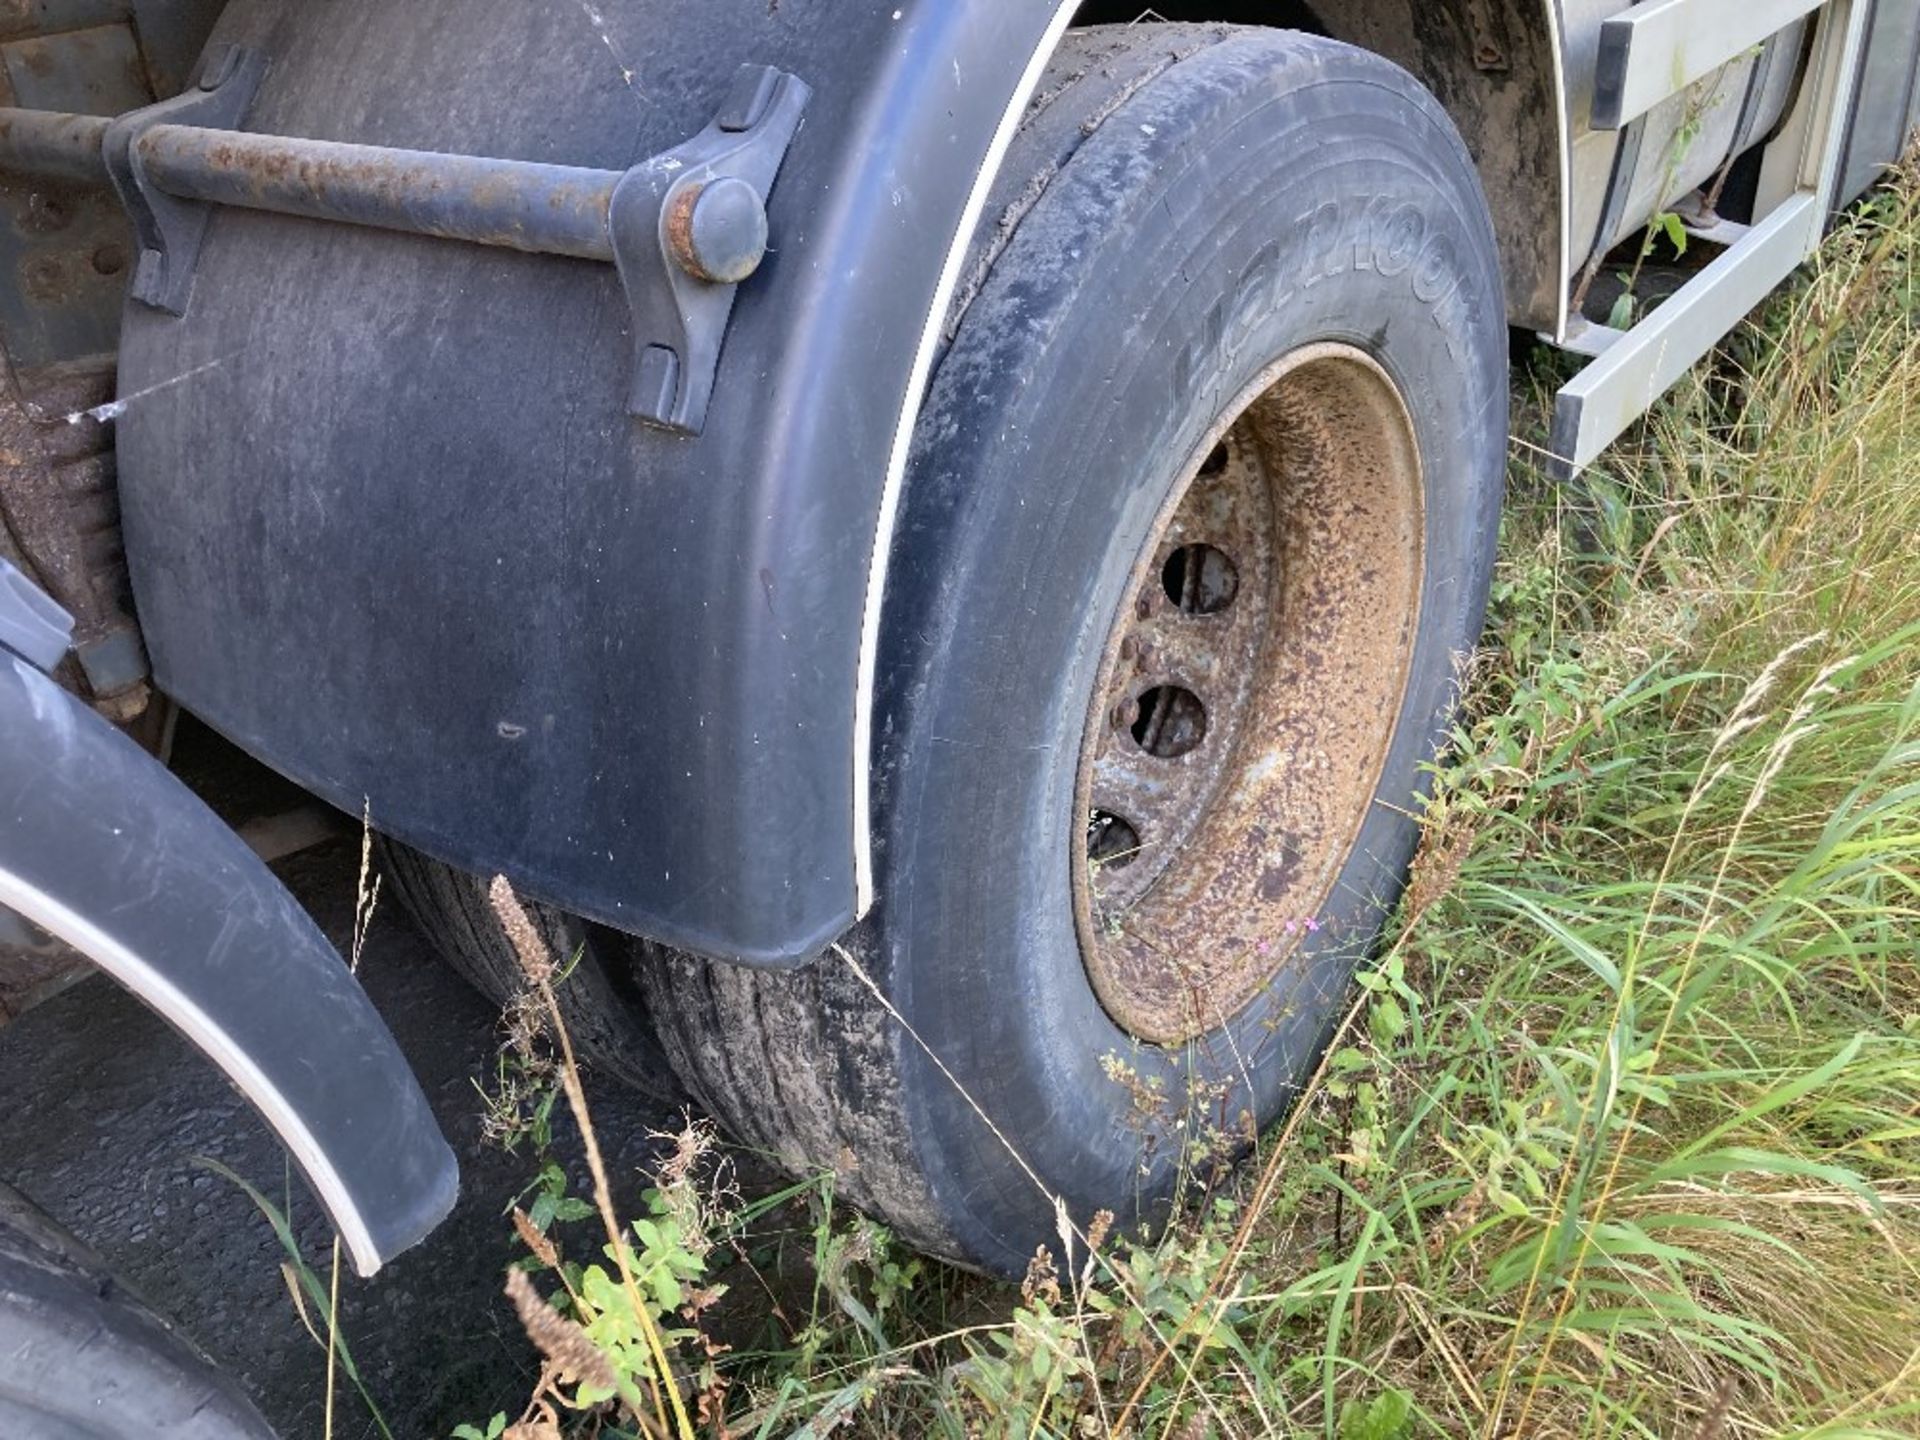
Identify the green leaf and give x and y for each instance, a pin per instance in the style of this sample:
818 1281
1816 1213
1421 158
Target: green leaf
588 1394
540 1214
1385 1417
1388 1019
1774 1099
666 1289
598 1290
1676 231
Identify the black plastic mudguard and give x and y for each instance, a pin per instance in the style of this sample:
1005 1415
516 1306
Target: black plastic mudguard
102 848
392 530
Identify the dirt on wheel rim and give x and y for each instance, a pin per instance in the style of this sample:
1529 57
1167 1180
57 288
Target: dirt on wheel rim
1248 694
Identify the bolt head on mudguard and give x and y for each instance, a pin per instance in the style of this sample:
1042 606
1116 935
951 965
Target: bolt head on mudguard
718 230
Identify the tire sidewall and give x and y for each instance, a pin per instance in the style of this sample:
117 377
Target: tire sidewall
1158 276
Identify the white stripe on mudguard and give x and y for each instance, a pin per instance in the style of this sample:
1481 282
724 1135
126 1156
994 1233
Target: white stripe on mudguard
138 975
903 441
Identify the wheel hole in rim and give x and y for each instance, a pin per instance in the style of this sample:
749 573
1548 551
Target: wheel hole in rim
1112 840
1171 722
1200 579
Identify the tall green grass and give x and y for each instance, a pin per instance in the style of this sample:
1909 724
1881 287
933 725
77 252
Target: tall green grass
1622 1136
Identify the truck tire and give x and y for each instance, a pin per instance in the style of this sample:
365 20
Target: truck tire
599 997
1198 530
84 1359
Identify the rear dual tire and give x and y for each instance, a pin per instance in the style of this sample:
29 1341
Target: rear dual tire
83 1358
1200 232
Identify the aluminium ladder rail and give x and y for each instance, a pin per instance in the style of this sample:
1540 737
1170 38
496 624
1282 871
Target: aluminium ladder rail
1649 54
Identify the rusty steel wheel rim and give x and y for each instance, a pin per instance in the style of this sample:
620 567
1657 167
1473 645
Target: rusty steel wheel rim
1248 695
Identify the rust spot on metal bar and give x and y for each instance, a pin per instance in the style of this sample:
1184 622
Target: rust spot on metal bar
678 225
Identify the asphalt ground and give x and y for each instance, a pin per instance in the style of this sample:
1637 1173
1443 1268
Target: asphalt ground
105 1113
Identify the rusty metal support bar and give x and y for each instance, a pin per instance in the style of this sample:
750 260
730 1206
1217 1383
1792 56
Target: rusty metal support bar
683 229
513 204
60 147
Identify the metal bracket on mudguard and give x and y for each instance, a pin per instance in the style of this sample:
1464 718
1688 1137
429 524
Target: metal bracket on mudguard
684 228
169 229
680 268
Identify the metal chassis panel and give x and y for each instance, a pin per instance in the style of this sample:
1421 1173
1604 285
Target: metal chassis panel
1654 51
1888 96
1636 367
1617 388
